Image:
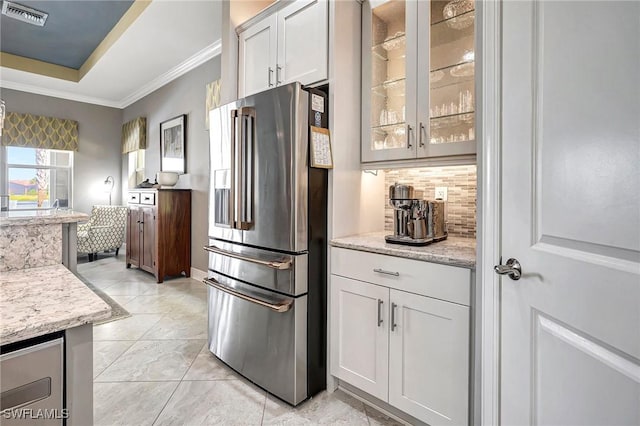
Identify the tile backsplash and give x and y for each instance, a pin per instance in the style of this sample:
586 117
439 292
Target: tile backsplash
461 183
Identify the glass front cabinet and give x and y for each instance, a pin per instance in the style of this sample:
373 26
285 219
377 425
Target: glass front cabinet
418 97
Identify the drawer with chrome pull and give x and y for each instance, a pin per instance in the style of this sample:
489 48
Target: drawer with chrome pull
134 198
443 282
148 198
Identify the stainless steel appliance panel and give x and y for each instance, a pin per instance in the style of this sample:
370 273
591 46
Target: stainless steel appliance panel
260 334
273 270
278 141
32 380
223 177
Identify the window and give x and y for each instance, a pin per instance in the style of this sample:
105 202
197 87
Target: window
38 178
135 167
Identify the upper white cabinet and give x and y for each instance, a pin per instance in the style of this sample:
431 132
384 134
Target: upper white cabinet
257 56
418 95
289 45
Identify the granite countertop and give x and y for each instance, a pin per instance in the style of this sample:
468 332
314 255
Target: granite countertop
454 251
38 301
40 217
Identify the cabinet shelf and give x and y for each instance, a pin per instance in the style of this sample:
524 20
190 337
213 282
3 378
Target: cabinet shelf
461 19
386 128
391 43
396 84
452 75
459 114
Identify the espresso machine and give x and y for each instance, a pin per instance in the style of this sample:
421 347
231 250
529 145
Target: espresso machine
415 222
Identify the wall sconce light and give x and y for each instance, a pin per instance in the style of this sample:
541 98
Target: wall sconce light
108 186
2 114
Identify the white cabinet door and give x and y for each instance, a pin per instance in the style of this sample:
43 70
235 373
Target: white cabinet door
257 57
429 358
303 42
359 335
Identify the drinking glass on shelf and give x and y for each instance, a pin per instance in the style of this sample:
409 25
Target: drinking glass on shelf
383 117
392 117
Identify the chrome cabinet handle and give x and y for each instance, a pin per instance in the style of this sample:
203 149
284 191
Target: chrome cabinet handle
420 131
270 74
382 271
380 302
284 264
278 69
393 316
278 307
512 269
409 146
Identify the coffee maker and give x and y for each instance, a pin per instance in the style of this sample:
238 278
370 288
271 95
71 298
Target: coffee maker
415 222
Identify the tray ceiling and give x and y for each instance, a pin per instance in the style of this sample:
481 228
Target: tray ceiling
107 52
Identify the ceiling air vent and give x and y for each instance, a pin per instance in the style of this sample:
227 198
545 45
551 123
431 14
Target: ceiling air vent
24 13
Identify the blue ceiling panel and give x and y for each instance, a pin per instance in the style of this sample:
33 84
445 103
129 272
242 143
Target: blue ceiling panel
72 32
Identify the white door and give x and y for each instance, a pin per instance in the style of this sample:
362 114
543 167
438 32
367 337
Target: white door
257 57
571 213
429 358
360 335
303 42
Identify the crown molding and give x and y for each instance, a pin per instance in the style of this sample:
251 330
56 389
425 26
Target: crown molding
194 61
209 52
37 90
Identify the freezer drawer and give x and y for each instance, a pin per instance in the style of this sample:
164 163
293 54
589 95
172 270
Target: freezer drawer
260 334
32 385
281 272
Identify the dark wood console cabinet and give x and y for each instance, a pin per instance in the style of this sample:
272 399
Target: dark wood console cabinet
159 231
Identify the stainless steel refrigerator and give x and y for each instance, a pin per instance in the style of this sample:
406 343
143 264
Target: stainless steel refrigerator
267 241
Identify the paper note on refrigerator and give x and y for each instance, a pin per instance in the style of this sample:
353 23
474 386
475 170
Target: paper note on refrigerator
321 156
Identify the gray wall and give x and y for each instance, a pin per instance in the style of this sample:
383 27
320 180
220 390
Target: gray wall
98 155
185 95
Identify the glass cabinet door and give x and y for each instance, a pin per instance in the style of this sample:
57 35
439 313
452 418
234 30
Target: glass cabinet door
389 67
446 74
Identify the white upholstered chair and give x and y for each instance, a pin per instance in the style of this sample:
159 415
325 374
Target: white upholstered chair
104 231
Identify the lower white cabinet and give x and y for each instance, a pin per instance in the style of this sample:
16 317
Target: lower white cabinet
409 350
429 358
361 335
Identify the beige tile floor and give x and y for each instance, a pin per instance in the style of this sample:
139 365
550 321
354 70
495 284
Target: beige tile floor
154 368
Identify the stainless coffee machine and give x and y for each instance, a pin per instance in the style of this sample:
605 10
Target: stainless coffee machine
415 222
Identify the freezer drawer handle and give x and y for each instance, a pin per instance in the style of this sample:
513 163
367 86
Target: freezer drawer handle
278 307
286 264
25 394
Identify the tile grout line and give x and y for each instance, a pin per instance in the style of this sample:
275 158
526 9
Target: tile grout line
177 386
165 404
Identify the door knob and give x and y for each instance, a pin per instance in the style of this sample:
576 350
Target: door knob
512 268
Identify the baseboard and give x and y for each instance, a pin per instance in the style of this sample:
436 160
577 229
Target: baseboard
197 274
379 405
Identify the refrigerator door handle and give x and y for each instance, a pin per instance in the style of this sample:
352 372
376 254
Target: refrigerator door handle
273 264
233 165
275 306
245 199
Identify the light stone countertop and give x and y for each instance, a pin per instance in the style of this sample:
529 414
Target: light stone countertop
38 301
40 217
454 251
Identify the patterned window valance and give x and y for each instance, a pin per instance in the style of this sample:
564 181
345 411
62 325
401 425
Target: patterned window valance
36 131
134 135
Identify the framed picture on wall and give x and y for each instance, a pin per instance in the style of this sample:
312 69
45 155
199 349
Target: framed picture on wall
173 145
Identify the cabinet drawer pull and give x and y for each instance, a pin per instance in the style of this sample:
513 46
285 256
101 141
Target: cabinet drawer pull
409 146
380 302
382 271
270 74
393 316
